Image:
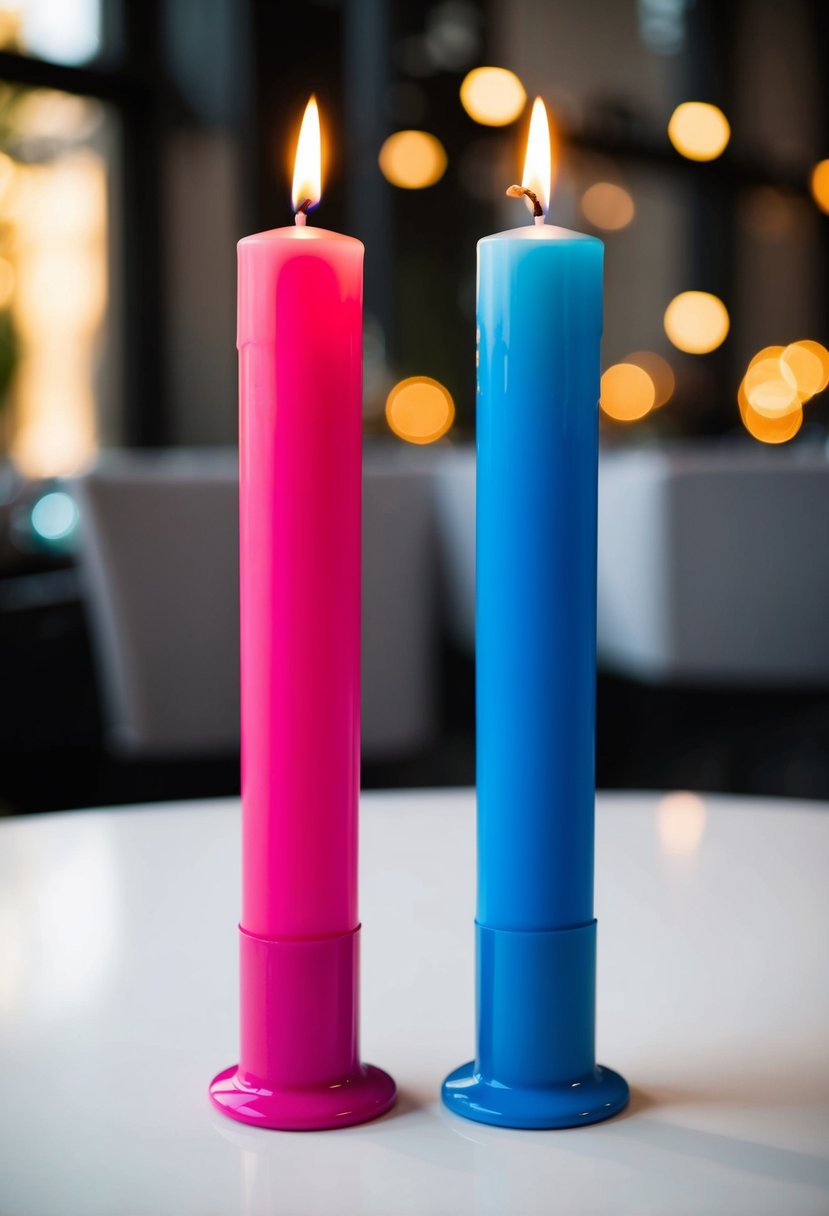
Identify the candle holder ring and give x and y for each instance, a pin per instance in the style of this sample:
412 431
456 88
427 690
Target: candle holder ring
535 1065
300 1067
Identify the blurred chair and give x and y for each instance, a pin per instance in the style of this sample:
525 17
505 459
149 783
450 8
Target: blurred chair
159 557
711 565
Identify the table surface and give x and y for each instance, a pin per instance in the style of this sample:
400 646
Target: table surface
118 1004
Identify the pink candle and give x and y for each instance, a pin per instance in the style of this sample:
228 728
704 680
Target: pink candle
300 342
300 331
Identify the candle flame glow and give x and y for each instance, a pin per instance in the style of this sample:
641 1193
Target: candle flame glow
538 162
307 185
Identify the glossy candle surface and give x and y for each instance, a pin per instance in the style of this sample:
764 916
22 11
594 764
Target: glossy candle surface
539 327
299 337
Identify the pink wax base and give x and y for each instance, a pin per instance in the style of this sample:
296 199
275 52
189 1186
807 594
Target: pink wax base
365 1095
300 1066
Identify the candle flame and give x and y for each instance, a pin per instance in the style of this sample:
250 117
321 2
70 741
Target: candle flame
307 185
538 162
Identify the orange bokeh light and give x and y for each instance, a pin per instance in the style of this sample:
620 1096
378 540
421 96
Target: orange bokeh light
808 362
698 130
627 392
771 388
420 410
412 160
608 206
819 184
696 322
494 97
769 430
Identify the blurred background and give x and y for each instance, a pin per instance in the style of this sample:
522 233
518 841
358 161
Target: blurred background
141 140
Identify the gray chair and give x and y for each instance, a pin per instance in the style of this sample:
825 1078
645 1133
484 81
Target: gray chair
712 565
159 557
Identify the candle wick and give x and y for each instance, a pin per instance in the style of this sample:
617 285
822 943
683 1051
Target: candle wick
301 213
531 199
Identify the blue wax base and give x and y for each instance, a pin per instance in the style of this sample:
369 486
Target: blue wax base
536 1063
588 1100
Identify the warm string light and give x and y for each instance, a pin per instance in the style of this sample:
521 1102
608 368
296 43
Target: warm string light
420 410
493 97
819 185
412 160
808 362
699 131
771 388
636 386
608 206
696 322
778 382
765 429
627 392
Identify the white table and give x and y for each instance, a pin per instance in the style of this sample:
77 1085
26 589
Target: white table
118 1004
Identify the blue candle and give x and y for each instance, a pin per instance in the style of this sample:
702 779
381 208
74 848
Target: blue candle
539 334
539 324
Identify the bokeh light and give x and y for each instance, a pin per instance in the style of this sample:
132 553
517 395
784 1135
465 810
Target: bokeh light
608 206
696 322
680 823
777 382
412 160
768 430
627 392
819 185
420 409
660 372
699 131
770 387
809 364
54 515
493 96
